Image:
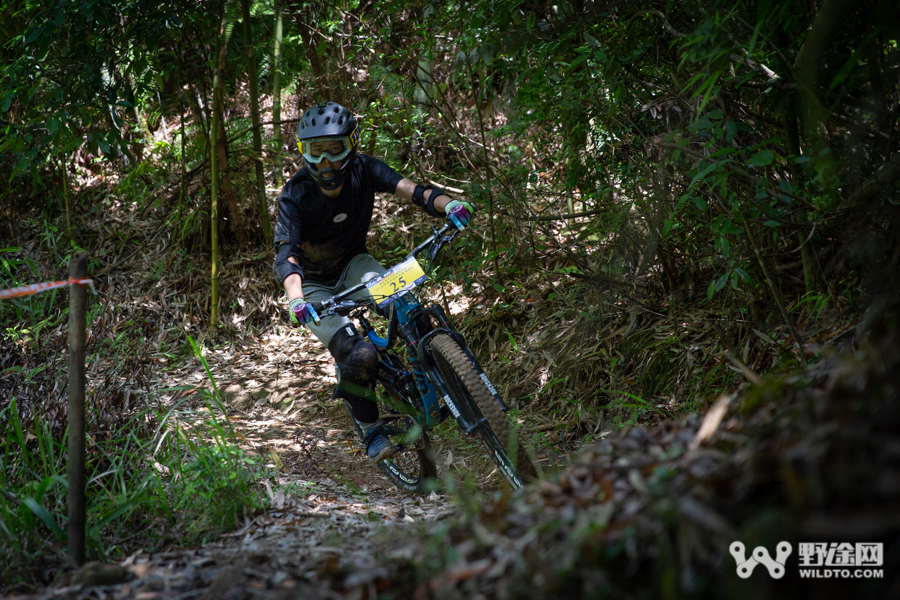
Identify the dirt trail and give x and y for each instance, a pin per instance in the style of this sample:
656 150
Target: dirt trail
331 511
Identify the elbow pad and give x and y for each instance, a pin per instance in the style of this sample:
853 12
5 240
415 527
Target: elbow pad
284 267
428 205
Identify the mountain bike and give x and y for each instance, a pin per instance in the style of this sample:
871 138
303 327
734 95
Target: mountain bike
437 376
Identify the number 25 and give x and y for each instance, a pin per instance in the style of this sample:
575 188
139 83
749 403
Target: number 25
394 285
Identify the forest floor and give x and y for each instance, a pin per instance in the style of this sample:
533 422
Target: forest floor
648 510
329 509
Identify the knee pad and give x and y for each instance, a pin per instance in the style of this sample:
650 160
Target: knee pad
356 357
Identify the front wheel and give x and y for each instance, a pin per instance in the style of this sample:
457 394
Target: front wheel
472 396
413 465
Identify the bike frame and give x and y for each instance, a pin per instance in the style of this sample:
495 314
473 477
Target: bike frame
415 324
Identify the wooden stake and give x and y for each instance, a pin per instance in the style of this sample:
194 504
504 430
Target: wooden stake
76 475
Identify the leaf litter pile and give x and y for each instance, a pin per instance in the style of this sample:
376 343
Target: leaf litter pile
650 512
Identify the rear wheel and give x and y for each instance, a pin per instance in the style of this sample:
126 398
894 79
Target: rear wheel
472 396
413 464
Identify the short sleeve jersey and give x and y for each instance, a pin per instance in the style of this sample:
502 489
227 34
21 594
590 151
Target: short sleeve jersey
325 233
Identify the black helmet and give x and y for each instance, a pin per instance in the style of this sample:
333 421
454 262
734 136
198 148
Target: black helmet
328 123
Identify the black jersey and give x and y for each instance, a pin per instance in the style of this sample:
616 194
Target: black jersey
325 233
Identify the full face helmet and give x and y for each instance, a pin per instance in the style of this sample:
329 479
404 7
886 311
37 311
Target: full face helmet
328 130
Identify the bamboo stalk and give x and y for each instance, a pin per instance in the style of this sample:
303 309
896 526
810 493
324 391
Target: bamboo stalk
261 206
776 293
276 96
214 168
65 187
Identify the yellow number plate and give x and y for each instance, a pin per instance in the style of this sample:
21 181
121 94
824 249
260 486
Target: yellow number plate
395 281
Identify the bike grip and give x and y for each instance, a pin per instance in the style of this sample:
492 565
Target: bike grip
316 307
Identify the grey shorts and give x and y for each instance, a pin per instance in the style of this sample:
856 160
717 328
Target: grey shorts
361 269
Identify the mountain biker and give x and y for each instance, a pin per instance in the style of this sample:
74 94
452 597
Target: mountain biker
324 214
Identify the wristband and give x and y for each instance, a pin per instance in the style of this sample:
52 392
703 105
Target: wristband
428 205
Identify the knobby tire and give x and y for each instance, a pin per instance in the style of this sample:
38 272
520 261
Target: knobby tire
471 393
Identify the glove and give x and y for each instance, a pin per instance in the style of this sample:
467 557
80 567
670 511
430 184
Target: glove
459 213
302 312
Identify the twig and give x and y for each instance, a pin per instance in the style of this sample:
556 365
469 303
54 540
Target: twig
553 217
751 376
809 237
10 497
779 301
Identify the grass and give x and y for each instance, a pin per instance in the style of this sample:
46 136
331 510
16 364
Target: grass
164 475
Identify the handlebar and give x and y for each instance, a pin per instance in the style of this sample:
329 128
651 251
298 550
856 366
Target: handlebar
339 304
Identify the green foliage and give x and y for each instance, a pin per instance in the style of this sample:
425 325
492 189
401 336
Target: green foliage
215 487
159 467
69 75
33 486
23 313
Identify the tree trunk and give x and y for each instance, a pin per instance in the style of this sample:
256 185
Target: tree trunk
792 135
832 15
183 184
276 98
422 99
319 78
65 189
424 89
264 219
875 56
235 215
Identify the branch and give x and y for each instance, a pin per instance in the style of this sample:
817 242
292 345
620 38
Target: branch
655 13
553 217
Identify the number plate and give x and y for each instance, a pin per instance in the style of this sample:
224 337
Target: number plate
396 280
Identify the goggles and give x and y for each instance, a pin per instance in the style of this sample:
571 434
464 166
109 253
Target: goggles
332 148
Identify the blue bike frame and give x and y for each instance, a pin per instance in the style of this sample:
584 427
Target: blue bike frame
416 324
425 386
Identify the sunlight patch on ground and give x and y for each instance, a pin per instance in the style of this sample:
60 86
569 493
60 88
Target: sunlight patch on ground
457 301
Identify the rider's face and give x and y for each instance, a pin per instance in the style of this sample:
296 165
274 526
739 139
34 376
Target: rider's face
327 164
331 147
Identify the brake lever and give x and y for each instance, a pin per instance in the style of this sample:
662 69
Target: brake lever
433 251
445 240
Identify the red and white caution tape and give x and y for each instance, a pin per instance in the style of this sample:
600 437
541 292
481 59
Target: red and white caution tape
37 288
